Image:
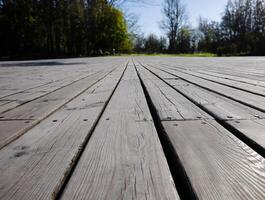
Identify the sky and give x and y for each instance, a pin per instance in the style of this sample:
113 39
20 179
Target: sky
151 15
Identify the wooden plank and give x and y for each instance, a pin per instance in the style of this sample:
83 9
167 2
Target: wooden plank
235 78
54 79
245 76
221 107
252 130
230 83
19 77
235 115
240 67
8 106
124 157
8 127
218 165
171 104
245 120
35 93
50 102
4 102
40 108
36 165
213 158
252 100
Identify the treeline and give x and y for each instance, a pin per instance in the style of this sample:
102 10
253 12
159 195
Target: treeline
61 28
64 28
240 32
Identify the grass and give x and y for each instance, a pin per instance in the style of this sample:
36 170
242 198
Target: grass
174 55
197 55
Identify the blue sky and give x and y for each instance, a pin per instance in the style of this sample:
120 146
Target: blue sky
151 15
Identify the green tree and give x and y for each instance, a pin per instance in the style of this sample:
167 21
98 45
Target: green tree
152 44
107 29
184 40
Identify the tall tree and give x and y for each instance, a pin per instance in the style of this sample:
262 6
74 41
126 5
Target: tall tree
210 35
174 14
52 28
152 44
107 28
184 40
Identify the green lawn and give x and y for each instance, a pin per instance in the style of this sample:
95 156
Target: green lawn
180 55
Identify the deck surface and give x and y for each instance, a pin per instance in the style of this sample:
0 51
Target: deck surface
133 128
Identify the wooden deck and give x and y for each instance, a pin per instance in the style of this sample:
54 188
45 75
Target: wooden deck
133 128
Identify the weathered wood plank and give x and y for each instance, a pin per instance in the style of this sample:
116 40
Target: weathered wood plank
213 158
28 75
252 130
219 106
8 106
36 92
40 108
235 78
3 102
218 165
36 165
247 98
230 83
235 115
250 68
172 105
124 157
52 79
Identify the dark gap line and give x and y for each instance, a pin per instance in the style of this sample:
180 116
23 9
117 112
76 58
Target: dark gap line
28 101
57 194
179 175
241 136
69 84
42 118
4 120
208 89
218 72
223 84
185 120
232 79
21 91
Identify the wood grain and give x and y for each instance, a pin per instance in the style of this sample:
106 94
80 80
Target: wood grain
39 109
35 165
124 158
256 89
218 165
238 95
171 104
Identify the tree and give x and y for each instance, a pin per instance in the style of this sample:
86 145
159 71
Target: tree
107 29
52 28
184 40
174 12
258 45
139 43
162 44
152 44
210 35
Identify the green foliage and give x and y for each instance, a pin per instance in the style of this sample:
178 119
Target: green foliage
52 28
179 55
152 44
184 40
241 32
